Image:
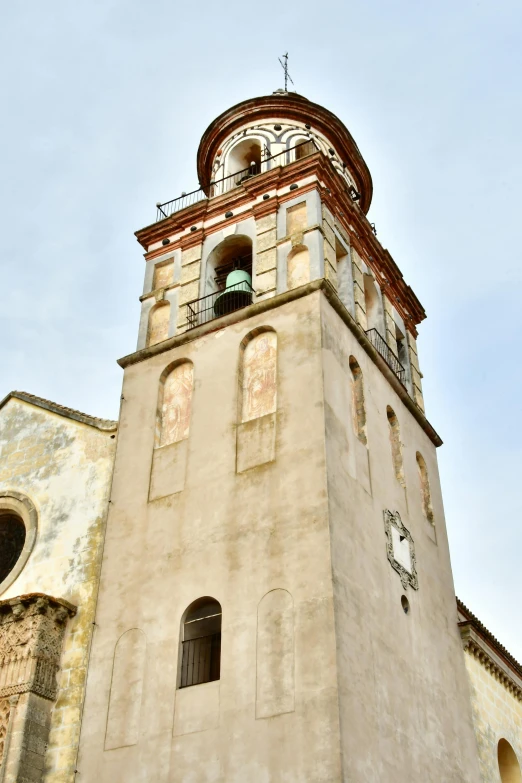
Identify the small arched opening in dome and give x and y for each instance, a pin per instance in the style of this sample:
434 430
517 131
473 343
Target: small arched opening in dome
244 160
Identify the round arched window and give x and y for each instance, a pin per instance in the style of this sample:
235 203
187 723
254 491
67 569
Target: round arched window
12 540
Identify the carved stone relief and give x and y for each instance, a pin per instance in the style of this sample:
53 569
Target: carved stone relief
31 634
400 549
5 708
32 628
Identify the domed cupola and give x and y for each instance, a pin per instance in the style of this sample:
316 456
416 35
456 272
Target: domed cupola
255 134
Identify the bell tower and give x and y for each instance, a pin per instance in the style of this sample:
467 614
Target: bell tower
276 599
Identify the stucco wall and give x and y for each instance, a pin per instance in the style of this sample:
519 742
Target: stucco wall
256 541
404 703
315 539
497 714
64 467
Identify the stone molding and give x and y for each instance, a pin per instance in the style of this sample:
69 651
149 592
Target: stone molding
475 645
314 172
264 306
106 425
32 628
407 577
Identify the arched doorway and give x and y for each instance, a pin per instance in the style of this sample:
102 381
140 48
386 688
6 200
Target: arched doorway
508 765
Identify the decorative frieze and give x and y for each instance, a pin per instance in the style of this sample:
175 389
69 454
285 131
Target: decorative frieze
31 634
477 647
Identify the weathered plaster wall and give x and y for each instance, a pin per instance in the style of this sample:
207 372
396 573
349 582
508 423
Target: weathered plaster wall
64 467
255 539
404 702
497 714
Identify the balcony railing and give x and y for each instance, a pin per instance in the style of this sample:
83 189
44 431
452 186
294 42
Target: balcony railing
201 660
217 187
382 347
205 309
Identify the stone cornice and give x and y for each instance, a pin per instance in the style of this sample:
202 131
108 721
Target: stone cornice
321 175
266 305
293 107
496 665
100 424
480 642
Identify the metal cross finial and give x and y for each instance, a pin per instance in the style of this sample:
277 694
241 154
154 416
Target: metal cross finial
284 66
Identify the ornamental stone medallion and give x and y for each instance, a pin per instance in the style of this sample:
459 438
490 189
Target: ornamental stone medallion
400 549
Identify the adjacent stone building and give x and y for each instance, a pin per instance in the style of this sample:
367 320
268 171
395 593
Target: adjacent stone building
275 601
55 475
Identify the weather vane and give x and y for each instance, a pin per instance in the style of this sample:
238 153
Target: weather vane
284 66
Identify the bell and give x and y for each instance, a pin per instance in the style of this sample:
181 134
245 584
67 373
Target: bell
237 293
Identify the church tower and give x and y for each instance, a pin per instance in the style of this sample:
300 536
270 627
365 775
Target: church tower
276 599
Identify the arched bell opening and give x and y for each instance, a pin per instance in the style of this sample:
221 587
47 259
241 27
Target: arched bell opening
244 160
229 269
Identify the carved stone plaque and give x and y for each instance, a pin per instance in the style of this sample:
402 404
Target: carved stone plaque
400 549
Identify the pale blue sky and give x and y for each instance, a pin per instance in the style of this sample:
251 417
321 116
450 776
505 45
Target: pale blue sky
104 104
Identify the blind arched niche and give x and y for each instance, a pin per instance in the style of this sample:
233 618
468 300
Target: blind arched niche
173 417
257 403
175 403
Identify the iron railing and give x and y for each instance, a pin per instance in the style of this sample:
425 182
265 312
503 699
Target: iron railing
217 187
205 309
382 347
201 660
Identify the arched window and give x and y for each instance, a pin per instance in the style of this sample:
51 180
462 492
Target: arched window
158 323
175 404
201 643
372 300
396 449
508 765
235 252
259 376
298 267
245 155
425 488
359 412
18 528
12 540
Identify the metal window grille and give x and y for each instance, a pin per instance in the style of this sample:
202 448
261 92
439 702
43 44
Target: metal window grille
201 660
217 187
